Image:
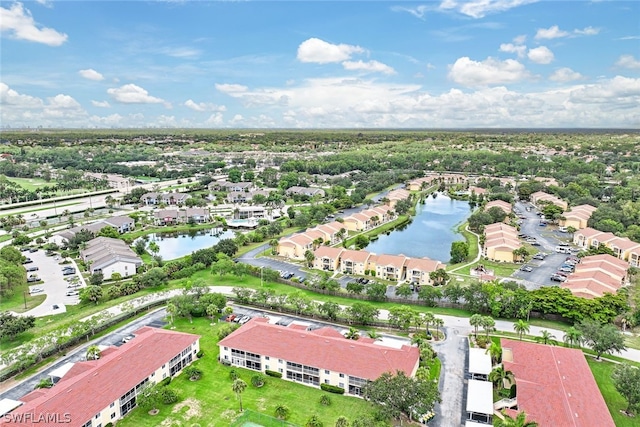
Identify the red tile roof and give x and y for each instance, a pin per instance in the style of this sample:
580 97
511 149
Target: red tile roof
355 256
328 252
396 261
423 264
355 358
555 386
89 391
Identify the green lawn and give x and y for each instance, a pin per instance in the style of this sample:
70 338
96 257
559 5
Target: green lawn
16 301
31 184
211 402
615 402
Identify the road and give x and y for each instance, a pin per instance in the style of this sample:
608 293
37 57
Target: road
14 390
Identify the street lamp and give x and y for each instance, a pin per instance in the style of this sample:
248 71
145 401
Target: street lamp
261 280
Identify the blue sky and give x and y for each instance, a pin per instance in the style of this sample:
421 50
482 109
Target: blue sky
320 64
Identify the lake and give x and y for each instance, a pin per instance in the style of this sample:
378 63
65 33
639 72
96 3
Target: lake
430 233
179 244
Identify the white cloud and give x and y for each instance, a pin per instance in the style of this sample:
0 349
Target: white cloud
20 109
418 11
320 52
181 52
203 106
513 48
133 94
369 66
489 72
63 101
628 61
587 31
91 74
215 119
520 39
481 8
540 55
563 75
18 22
553 32
101 104
230 88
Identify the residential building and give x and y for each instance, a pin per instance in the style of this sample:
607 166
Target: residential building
164 198
354 262
540 197
294 246
584 237
314 357
390 267
107 255
596 275
243 187
500 242
304 191
505 206
478 191
480 401
566 395
622 247
97 393
577 217
357 222
418 270
394 196
122 224
327 258
113 180
479 364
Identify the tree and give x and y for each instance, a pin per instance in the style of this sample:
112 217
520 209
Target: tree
361 241
12 325
475 321
521 327
96 279
330 309
439 277
282 412
314 421
227 247
352 334
520 420
93 352
149 397
91 294
488 324
626 379
603 339
309 257
108 231
495 350
140 246
193 372
403 290
546 337
376 291
572 336
354 287
342 421
238 388
459 252
362 313
499 375
397 395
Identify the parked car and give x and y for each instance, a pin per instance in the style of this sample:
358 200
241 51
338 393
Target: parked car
231 318
24 249
72 293
33 279
244 320
128 338
558 278
539 256
567 269
526 269
36 290
27 261
68 272
34 268
32 250
74 285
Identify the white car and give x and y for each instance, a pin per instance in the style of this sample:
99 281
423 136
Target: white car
244 320
74 285
35 290
73 293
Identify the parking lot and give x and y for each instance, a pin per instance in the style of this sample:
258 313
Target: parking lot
52 284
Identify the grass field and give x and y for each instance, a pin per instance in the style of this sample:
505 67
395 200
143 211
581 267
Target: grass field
211 402
16 301
615 402
31 184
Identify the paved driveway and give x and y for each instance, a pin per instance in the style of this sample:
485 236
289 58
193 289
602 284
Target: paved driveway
54 285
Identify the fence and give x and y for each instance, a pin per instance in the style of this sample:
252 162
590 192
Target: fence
249 418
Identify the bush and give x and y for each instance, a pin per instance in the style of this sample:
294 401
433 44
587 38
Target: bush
325 400
257 380
165 382
274 374
200 354
168 396
482 341
225 362
233 375
332 388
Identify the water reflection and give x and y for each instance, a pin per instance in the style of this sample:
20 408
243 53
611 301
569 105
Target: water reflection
430 233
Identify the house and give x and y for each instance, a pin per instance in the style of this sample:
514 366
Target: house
577 217
238 197
566 395
314 357
113 180
357 222
304 191
165 217
478 191
327 258
99 392
480 401
623 247
418 270
479 364
584 237
540 197
294 246
164 198
394 196
390 267
354 262
505 206
243 187
500 242
123 224
109 256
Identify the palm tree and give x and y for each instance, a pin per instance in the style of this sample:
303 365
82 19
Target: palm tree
495 350
313 421
309 257
499 375
374 335
238 387
93 352
476 321
546 337
572 337
352 334
342 421
282 412
438 323
521 327
519 421
488 324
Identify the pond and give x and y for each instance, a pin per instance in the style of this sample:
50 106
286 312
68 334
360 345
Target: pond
430 233
178 244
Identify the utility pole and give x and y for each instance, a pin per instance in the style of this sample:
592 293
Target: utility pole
24 294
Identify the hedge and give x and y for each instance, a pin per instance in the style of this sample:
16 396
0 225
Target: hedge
273 373
332 388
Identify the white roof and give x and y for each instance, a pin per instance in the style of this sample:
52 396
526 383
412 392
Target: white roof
479 361
480 397
8 405
62 370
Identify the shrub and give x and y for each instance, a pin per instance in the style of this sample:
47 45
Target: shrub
200 354
482 341
332 388
257 380
165 382
233 375
227 329
273 374
225 362
168 396
45 383
193 372
325 400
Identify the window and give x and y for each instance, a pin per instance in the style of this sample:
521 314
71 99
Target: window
153 375
112 405
266 367
266 358
113 415
341 385
164 375
87 424
226 348
97 415
326 371
341 375
280 370
326 381
279 360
